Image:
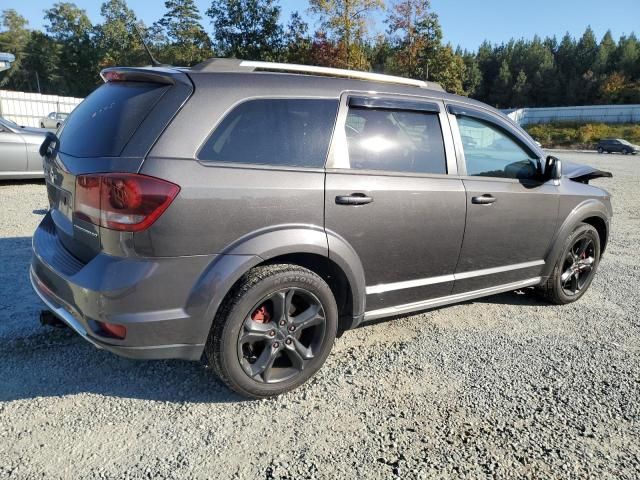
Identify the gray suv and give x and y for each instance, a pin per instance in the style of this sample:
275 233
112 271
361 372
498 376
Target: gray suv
246 213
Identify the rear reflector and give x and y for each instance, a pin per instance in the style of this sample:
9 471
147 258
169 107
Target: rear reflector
122 201
113 330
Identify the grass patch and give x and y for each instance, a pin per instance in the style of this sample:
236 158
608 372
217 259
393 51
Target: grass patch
581 135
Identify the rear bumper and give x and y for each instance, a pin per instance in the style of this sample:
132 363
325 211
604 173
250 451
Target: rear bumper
152 297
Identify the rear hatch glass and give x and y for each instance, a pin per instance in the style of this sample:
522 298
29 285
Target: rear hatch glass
102 125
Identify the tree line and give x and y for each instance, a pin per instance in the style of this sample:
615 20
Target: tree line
66 58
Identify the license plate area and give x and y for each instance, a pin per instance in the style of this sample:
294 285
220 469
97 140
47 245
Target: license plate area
61 200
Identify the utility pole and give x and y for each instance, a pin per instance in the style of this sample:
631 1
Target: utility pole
38 81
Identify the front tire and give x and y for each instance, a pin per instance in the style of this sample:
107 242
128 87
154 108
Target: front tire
273 331
625 151
575 268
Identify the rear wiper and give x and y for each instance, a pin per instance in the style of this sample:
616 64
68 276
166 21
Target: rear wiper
46 149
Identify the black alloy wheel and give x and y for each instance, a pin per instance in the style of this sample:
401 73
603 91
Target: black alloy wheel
577 267
281 335
273 331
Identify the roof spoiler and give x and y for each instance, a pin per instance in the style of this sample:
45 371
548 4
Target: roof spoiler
167 76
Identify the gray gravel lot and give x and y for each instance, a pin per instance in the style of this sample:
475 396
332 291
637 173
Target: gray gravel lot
502 387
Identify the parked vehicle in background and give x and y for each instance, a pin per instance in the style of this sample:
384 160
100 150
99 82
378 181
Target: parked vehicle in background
53 120
19 157
246 213
611 145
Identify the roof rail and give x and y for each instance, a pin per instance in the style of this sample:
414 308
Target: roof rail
219 65
338 72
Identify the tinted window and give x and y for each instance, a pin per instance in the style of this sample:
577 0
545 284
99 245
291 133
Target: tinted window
274 132
489 152
400 141
104 122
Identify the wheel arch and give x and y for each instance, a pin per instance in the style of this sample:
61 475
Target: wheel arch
304 245
592 212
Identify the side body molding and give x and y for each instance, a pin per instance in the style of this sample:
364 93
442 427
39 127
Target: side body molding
257 247
586 209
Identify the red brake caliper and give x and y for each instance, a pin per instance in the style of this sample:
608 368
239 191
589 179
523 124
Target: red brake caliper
261 315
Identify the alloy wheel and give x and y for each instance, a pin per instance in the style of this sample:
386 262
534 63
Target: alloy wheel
578 266
281 335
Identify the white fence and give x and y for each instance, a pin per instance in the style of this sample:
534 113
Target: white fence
593 113
28 108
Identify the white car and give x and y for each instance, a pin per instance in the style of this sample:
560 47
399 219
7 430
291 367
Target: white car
19 156
53 120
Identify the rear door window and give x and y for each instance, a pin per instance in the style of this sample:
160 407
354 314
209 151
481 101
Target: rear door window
279 132
395 141
104 122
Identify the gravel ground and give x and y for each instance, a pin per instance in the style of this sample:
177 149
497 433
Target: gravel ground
503 387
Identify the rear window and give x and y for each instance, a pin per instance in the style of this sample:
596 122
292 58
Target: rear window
282 132
104 122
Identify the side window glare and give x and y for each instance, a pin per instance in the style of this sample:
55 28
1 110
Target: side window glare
490 152
395 140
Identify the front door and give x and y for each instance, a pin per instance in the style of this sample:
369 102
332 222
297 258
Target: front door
392 193
511 211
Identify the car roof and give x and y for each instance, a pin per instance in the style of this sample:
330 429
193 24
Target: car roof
322 81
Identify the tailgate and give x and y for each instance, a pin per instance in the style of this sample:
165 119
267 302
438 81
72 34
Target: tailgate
112 130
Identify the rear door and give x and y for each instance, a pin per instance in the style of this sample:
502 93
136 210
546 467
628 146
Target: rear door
393 195
511 212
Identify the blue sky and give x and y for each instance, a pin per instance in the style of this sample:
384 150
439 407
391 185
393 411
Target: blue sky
465 22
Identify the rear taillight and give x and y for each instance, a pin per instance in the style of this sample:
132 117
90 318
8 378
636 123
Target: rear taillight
122 201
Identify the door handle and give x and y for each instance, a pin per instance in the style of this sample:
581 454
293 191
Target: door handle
485 199
353 199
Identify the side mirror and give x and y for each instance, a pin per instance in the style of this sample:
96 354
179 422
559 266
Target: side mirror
553 168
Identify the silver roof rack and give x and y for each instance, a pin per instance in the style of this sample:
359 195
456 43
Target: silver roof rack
234 65
338 72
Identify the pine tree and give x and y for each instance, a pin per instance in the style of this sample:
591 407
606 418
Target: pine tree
416 34
188 41
71 28
346 22
117 40
247 29
297 40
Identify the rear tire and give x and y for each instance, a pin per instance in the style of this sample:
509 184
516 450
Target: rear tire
600 150
273 331
574 269
57 125
41 125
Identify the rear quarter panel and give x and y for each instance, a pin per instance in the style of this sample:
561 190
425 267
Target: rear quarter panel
219 206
